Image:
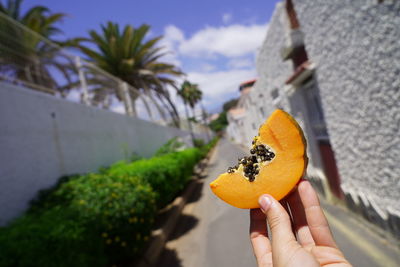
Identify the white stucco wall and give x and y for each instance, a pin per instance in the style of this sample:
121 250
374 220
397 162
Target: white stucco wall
355 45
273 72
43 138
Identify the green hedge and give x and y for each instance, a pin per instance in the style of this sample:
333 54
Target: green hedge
97 219
166 174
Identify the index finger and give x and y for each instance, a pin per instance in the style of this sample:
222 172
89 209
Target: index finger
316 219
259 237
299 220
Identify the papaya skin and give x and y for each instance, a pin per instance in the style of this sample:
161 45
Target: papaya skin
283 135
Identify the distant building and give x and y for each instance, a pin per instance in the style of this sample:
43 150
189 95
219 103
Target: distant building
239 129
334 66
213 117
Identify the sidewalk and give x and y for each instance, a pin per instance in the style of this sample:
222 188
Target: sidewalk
211 233
360 245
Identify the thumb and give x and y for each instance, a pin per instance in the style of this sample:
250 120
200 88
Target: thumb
278 220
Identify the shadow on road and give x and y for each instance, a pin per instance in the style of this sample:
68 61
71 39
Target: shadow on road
169 258
196 194
186 223
163 216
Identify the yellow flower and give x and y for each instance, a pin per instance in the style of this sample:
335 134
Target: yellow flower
133 220
117 239
109 241
104 235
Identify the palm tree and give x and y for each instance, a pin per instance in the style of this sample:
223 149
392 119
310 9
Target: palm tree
26 54
127 55
191 95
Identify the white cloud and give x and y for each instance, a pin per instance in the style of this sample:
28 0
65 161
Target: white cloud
173 36
173 33
238 44
219 86
226 18
206 67
240 63
230 41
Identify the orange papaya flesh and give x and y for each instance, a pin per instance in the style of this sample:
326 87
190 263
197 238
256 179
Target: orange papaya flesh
277 163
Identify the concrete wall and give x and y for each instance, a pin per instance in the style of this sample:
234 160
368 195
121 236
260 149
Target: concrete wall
273 72
355 45
43 138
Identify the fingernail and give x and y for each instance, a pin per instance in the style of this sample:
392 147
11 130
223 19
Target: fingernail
265 202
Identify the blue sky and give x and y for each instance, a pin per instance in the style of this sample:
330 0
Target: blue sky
214 41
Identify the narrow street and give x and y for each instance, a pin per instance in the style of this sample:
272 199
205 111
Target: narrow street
211 233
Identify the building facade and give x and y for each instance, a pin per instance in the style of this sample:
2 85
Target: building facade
335 66
240 129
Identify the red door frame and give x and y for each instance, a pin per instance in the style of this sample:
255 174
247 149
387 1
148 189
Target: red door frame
331 171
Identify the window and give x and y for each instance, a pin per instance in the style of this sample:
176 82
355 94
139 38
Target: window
318 108
315 112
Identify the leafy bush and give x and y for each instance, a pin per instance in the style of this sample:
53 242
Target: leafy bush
206 148
120 209
220 123
52 238
198 143
166 174
173 145
97 219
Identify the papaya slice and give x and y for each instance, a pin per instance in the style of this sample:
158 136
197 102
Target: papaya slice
278 160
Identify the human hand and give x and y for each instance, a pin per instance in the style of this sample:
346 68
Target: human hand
314 245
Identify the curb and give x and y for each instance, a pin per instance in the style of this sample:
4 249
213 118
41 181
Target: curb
160 236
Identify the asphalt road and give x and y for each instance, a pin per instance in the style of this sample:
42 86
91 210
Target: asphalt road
211 233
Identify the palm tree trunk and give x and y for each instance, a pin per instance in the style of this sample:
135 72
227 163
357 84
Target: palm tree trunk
128 100
148 109
175 112
28 74
168 108
159 109
134 97
203 116
189 123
